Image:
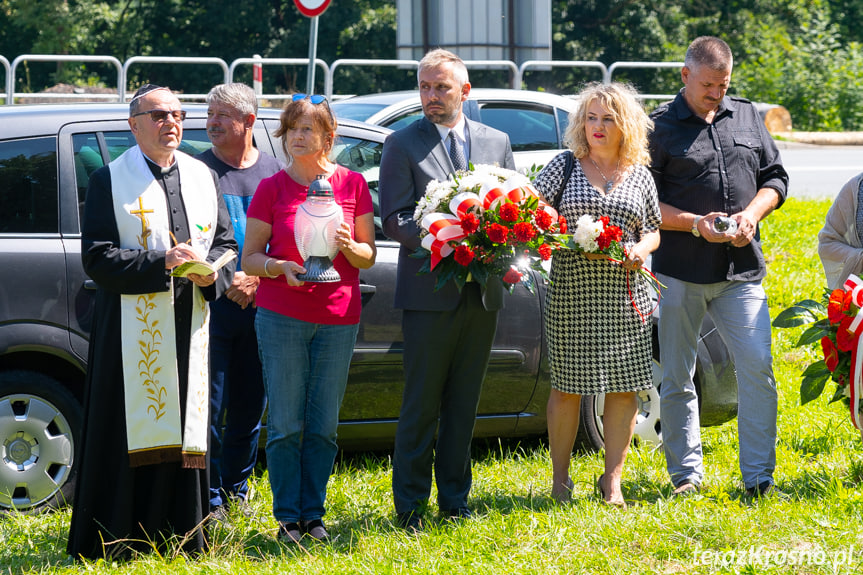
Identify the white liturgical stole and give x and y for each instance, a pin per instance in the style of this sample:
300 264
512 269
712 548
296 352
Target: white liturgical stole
150 376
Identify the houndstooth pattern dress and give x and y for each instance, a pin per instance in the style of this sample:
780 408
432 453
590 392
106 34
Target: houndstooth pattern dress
597 342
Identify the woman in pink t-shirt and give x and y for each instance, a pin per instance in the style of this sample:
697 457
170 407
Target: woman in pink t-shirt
306 331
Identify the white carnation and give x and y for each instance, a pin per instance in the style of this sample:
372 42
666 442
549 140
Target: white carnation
586 232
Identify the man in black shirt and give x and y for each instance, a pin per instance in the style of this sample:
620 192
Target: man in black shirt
711 157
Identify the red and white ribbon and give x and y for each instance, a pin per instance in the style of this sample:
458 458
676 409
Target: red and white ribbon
855 285
439 249
463 202
444 227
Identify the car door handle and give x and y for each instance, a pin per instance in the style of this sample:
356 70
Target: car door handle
366 288
90 284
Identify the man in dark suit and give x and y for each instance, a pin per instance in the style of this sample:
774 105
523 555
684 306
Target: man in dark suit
447 333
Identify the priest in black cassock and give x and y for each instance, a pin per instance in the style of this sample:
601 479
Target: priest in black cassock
142 473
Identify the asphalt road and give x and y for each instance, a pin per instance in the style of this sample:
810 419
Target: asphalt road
819 171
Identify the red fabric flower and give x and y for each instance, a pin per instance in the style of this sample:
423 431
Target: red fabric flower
835 305
544 252
844 338
512 276
509 212
831 356
469 223
497 233
562 221
463 255
524 231
542 219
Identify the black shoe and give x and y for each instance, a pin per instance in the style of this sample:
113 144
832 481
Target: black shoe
315 529
456 514
410 521
235 502
219 518
289 533
764 489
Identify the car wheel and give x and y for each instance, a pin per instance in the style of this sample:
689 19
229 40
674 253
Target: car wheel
40 423
648 430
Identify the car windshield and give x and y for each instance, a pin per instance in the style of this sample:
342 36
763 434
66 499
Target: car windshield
355 110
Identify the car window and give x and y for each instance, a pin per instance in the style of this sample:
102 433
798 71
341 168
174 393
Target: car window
562 122
362 156
354 110
28 186
529 127
404 120
88 159
195 142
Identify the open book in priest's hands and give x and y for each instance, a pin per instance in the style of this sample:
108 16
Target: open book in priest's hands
203 268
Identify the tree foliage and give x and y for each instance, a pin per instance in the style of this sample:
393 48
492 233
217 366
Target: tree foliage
803 54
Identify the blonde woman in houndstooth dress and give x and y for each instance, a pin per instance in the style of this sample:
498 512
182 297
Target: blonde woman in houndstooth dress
598 340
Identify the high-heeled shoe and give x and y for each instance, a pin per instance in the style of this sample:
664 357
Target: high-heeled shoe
566 495
620 504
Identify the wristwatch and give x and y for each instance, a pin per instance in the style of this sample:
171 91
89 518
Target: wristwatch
694 230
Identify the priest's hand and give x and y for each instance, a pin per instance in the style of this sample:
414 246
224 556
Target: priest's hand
180 253
203 281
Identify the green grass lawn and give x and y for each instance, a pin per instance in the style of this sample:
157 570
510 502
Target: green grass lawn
817 528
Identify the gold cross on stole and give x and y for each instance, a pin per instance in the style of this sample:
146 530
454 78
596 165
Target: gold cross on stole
145 229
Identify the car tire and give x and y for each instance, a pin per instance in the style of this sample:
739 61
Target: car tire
648 430
40 427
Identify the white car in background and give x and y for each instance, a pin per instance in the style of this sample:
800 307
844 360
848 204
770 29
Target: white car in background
535 121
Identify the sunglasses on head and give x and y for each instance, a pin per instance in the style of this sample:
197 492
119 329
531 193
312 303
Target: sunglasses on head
313 98
159 116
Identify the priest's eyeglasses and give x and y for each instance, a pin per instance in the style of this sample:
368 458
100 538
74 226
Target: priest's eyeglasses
159 116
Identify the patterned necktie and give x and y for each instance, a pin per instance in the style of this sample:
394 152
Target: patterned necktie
455 153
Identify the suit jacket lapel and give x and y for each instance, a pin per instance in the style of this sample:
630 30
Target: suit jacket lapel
431 139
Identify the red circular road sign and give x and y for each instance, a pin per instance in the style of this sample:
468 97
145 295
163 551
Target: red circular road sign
312 8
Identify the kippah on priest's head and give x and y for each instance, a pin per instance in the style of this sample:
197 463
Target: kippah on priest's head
146 89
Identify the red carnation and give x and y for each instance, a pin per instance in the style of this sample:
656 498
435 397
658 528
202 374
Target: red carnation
608 236
463 255
835 305
509 212
512 276
469 223
562 222
524 231
497 233
831 356
844 338
542 219
604 220
544 252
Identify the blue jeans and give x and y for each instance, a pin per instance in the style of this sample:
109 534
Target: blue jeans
739 310
305 373
237 400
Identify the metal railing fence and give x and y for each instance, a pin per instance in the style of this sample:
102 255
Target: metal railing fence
517 73
10 79
278 62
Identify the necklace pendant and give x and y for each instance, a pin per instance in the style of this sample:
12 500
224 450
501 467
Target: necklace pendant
609 185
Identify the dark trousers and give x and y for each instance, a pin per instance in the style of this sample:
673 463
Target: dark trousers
445 360
237 399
